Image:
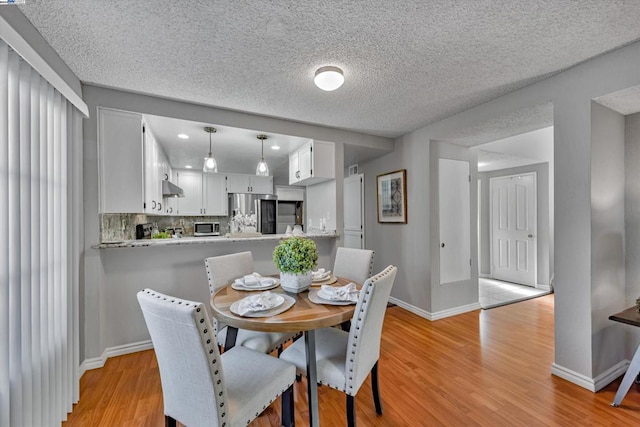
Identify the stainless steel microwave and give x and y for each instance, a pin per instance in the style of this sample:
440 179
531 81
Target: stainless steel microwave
202 229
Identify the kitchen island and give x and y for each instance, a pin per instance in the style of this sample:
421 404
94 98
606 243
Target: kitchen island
171 266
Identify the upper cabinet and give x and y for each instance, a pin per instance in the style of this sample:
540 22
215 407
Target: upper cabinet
237 183
204 194
312 163
120 160
132 165
156 167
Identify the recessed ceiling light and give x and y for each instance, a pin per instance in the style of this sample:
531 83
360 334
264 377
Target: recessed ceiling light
329 78
188 167
275 146
183 136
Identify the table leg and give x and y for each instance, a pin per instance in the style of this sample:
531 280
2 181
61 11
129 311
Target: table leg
632 372
230 340
312 378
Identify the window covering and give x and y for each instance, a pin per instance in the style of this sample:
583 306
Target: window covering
40 242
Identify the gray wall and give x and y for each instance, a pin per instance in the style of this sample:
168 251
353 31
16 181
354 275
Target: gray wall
408 245
100 304
465 292
632 222
607 234
543 211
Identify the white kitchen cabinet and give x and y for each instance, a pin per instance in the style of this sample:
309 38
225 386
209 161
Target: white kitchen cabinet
241 183
204 194
312 163
153 170
120 161
214 195
191 184
170 205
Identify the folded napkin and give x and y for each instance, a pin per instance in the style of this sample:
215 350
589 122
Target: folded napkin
250 280
320 274
260 302
341 293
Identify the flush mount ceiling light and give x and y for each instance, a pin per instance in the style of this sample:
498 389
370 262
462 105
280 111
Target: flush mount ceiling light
210 165
183 136
262 169
329 78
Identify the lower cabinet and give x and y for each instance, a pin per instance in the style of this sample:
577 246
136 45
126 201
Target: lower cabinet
204 194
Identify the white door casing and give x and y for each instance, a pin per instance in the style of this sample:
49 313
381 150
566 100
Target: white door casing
353 195
454 196
513 229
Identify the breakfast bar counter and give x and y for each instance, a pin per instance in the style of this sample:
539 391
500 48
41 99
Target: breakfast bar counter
204 240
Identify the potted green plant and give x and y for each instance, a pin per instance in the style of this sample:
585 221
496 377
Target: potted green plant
296 257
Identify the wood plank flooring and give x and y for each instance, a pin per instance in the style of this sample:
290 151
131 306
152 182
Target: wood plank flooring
483 368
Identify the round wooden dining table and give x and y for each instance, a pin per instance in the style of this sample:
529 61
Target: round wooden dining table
304 316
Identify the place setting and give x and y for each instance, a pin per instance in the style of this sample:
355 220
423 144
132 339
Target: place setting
322 277
264 304
255 282
335 295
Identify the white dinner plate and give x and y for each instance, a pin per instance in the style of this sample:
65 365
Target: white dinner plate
317 299
265 284
286 304
326 281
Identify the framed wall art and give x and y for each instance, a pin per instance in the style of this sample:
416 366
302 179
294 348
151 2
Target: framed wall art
392 197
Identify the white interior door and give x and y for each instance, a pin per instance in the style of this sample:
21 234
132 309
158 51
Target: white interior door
455 220
513 229
354 211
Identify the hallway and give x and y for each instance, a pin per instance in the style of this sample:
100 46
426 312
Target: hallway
494 293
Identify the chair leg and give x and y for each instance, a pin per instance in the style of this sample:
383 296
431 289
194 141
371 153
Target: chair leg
351 411
288 415
169 422
375 389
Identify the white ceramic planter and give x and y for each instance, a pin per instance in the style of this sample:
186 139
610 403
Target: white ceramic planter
295 282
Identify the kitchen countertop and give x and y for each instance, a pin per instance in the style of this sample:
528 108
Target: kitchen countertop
202 240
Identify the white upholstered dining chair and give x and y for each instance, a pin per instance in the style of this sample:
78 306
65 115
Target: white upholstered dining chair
200 386
344 359
353 264
222 270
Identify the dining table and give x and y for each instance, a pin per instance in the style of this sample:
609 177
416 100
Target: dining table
303 316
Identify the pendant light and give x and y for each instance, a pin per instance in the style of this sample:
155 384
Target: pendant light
262 169
210 164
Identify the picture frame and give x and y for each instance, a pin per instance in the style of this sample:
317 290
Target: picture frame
392 197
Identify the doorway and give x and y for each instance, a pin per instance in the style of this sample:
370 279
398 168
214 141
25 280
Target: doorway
521 168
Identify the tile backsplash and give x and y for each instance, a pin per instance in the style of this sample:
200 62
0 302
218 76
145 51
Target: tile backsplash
116 227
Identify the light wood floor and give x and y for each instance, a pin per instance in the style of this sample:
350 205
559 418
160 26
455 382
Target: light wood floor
489 368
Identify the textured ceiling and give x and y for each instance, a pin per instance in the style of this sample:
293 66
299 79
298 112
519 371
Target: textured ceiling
626 101
406 63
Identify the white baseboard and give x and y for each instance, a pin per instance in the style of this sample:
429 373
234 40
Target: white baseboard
591 384
98 362
610 375
456 310
437 315
543 287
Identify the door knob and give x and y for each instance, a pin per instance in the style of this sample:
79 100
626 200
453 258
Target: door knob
530 236
442 245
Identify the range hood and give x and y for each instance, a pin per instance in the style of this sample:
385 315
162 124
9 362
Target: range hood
169 189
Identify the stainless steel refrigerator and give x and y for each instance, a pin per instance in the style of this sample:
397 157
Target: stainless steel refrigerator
264 206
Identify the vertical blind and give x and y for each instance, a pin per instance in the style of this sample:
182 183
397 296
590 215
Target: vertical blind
40 229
